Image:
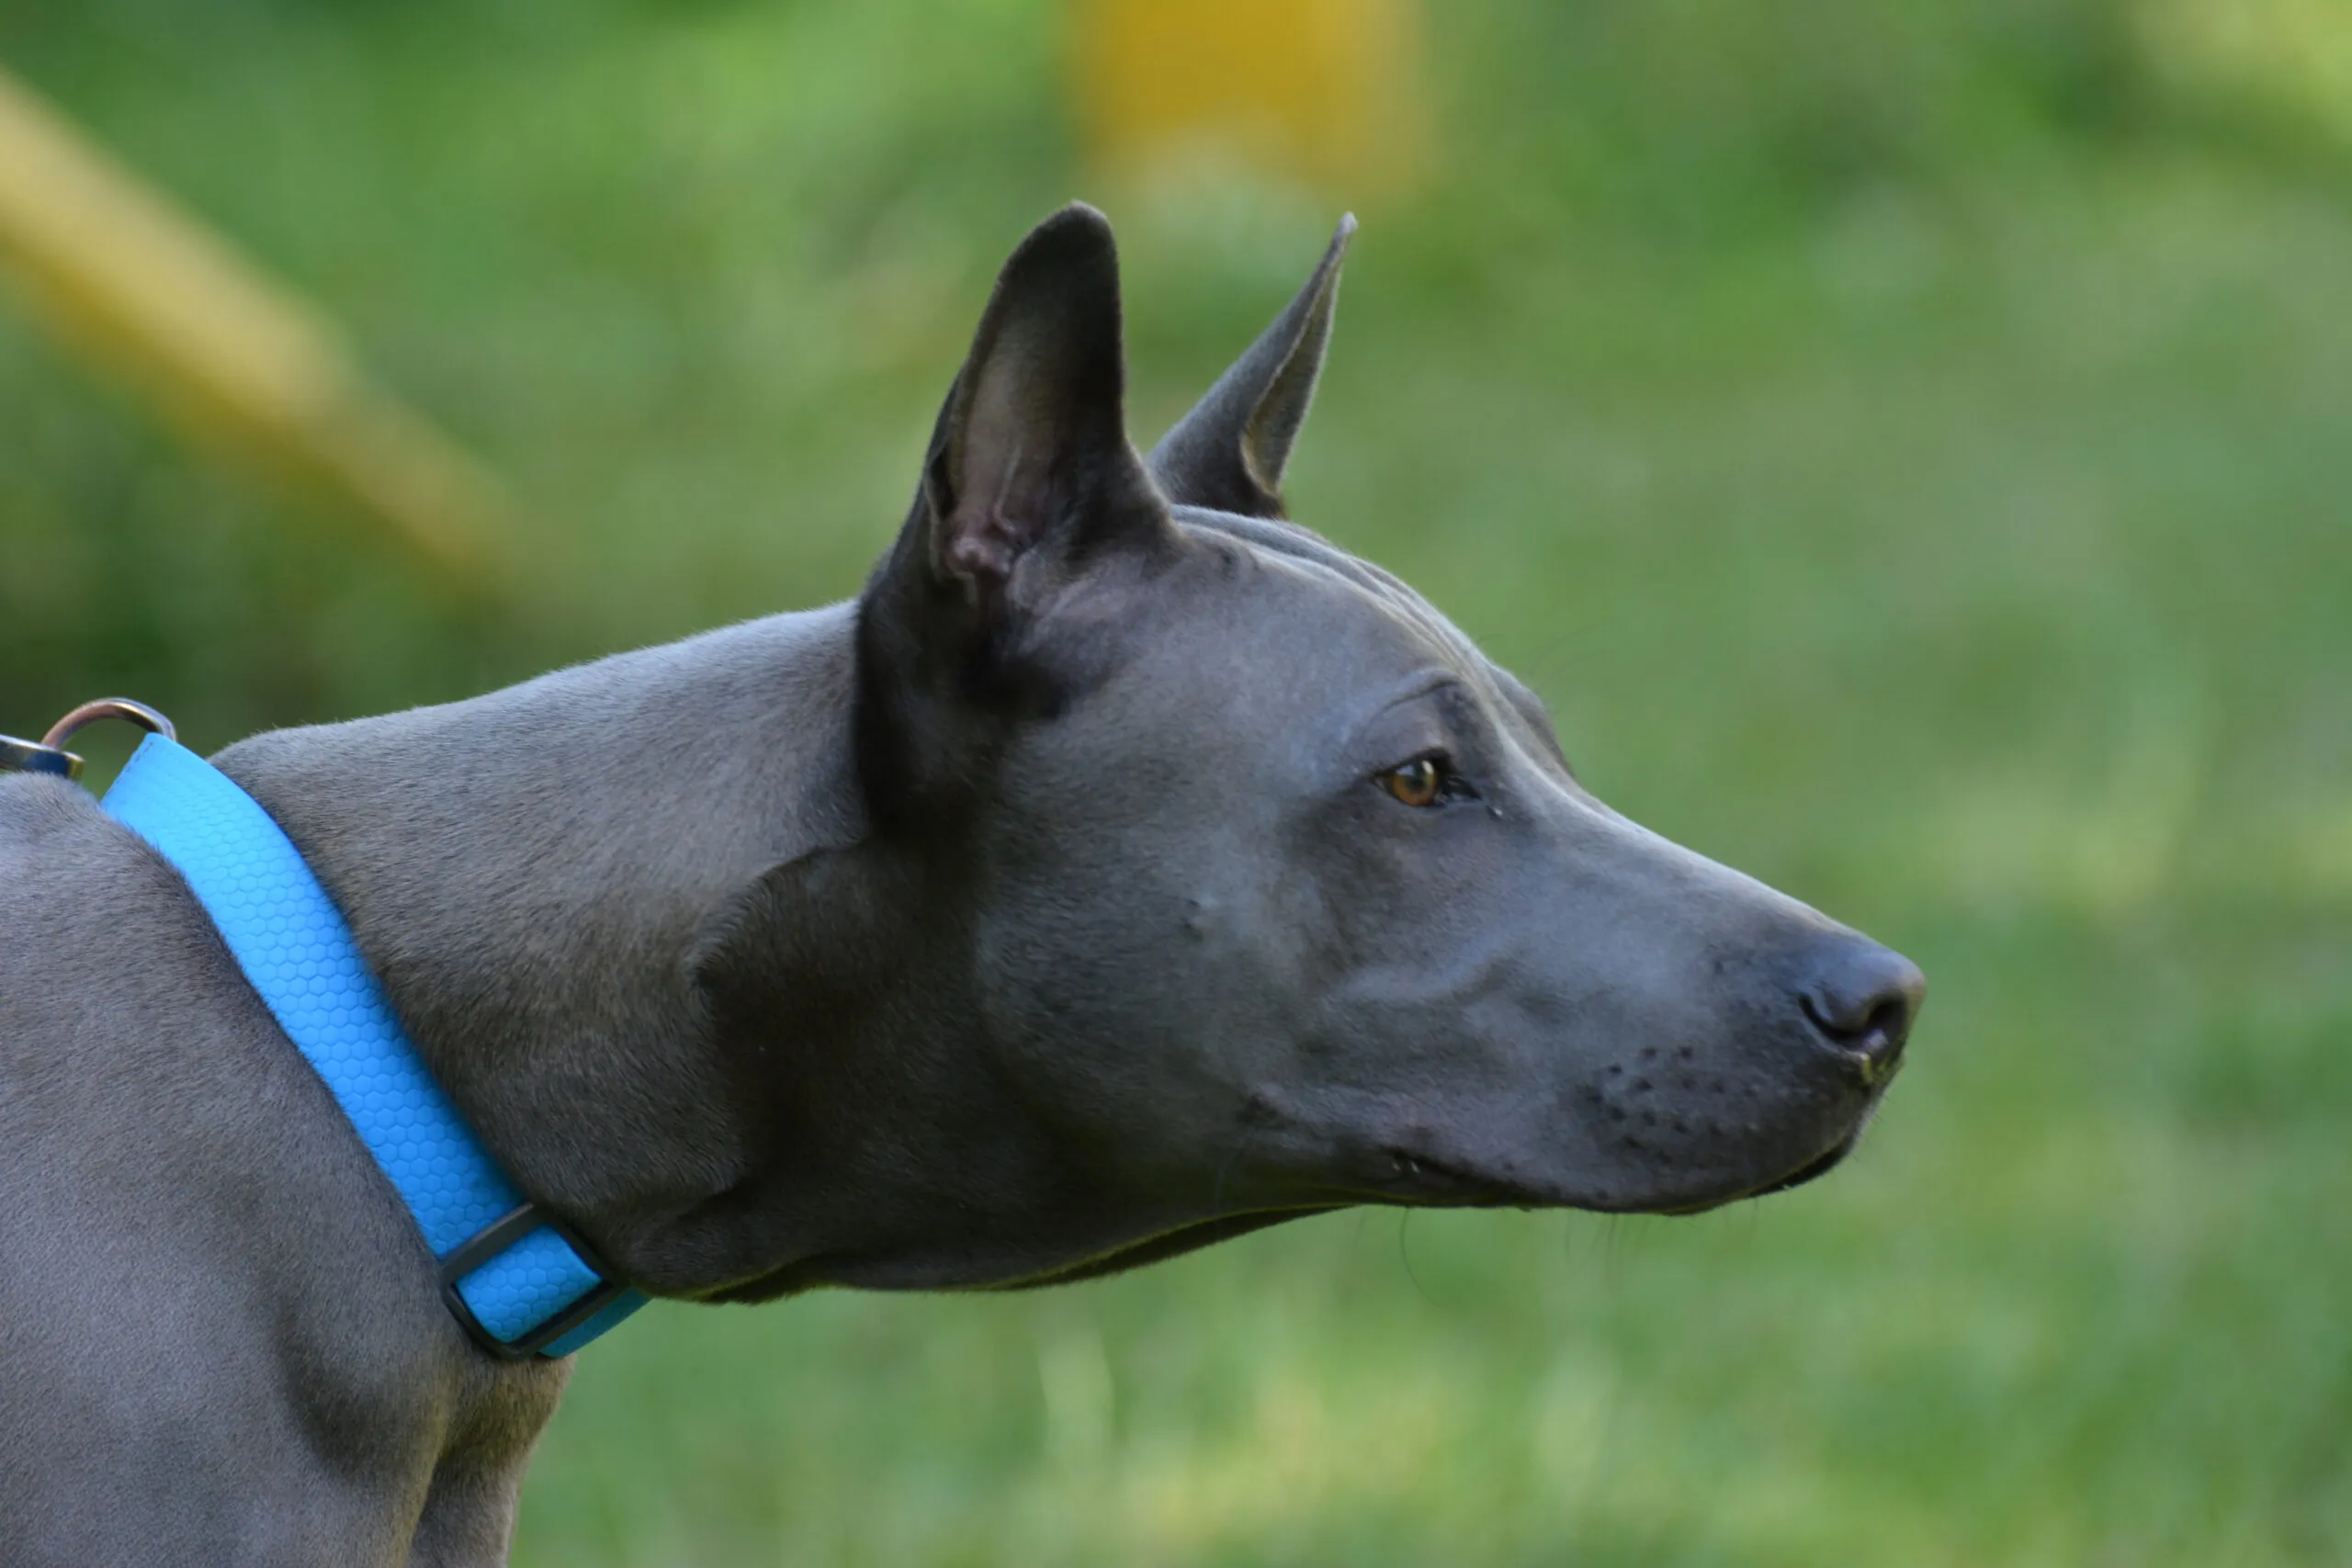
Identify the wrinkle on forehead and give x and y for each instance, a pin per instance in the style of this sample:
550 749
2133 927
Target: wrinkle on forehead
1386 590
1505 693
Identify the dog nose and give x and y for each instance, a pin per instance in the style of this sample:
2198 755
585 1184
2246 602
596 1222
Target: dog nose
1861 997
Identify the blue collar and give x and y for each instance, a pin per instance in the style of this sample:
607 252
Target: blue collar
516 1279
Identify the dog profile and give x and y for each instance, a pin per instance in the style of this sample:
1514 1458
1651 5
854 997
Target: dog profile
1125 868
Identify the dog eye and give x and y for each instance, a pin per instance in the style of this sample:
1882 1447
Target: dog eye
1426 780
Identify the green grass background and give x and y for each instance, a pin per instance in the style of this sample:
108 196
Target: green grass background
1911 448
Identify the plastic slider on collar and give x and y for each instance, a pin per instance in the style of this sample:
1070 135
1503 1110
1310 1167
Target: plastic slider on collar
492 1241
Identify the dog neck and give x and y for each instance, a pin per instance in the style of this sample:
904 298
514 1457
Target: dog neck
538 874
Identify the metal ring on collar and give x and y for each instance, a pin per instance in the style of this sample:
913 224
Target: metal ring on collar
49 755
88 714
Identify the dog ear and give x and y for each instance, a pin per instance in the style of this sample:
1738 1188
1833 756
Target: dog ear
1030 462
1033 529
1230 451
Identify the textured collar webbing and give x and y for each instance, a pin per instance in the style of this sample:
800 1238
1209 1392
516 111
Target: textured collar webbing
518 1283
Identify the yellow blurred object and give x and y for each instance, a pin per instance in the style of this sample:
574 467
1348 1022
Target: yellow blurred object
2293 54
120 274
1325 89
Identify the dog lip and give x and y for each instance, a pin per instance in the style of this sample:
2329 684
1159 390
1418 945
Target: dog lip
1416 1178
1819 1165
1411 1177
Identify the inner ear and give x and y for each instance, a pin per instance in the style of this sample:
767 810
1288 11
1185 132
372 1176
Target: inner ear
1031 463
1230 452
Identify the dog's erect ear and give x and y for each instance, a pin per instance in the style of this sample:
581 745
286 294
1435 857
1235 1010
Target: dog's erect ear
1035 527
1031 449
1230 451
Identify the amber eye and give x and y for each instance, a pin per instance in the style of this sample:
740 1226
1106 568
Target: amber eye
1418 782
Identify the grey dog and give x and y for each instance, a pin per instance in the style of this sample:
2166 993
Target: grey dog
1126 868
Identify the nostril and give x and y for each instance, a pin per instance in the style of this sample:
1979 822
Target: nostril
1862 999
1891 1019
1884 1021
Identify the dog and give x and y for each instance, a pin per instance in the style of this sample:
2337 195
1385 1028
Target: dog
1126 868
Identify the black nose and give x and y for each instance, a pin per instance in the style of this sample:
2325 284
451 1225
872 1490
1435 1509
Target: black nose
1861 997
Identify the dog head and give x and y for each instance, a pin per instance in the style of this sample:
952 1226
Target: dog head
1214 877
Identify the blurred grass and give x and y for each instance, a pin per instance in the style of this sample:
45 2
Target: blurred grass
1906 445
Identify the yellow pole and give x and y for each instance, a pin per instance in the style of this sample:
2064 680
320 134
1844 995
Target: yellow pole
116 272
1326 89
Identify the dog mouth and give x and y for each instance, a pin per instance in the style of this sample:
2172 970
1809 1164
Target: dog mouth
1419 1180
1413 1179
1813 1169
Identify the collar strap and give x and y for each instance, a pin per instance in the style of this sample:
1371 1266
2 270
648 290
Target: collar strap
518 1280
